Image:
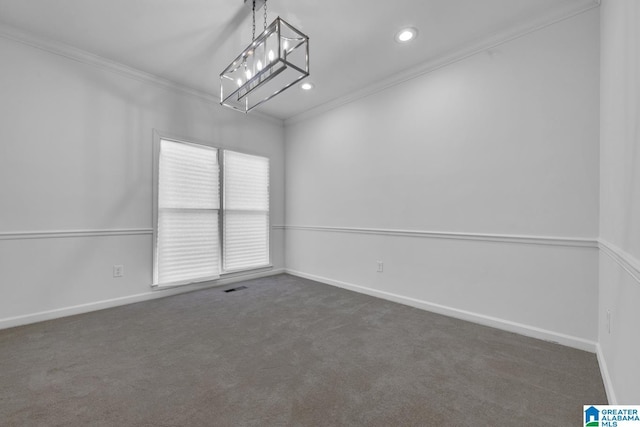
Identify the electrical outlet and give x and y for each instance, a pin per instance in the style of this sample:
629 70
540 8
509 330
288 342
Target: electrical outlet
380 266
608 321
118 270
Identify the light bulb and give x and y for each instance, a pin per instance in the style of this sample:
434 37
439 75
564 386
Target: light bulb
285 45
406 35
248 74
239 82
271 56
259 65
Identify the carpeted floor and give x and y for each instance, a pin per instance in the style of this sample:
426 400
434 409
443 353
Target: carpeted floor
286 352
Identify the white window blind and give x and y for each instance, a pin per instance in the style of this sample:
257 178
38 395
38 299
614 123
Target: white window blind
187 246
246 211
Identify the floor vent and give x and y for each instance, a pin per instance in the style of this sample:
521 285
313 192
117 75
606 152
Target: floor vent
239 288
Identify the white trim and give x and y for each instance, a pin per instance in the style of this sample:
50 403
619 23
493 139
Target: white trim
87 58
58 234
494 322
632 266
11 322
211 143
625 260
222 276
427 67
493 41
503 238
179 283
221 149
606 378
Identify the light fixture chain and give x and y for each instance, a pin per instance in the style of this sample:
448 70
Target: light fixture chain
253 34
265 14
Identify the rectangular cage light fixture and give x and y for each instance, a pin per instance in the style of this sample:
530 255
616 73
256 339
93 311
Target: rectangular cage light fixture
276 60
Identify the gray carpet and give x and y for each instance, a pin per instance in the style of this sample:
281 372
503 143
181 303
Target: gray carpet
285 352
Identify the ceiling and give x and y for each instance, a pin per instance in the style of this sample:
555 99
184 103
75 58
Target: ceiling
351 41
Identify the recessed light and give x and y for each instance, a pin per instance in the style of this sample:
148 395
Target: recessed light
406 34
306 86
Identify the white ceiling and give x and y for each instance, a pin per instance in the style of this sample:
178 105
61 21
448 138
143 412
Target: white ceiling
351 41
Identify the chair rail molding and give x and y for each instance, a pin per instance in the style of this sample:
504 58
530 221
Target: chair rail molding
502 238
625 260
58 234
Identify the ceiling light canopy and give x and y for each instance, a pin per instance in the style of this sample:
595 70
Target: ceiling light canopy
274 61
406 34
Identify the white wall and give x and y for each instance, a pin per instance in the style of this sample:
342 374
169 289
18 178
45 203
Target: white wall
620 199
475 184
503 144
76 155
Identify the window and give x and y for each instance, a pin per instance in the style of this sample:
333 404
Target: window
246 211
195 240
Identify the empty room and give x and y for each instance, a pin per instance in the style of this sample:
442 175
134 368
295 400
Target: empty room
319 213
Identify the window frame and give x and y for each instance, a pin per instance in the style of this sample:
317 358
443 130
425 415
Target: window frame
157 138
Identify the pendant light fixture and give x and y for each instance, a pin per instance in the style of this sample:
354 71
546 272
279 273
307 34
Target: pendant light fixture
275 60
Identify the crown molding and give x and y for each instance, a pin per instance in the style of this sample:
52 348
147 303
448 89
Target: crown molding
490 42
87 58
484 44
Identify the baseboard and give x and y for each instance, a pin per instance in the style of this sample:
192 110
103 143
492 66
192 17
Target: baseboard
11 322
606 378
506 325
